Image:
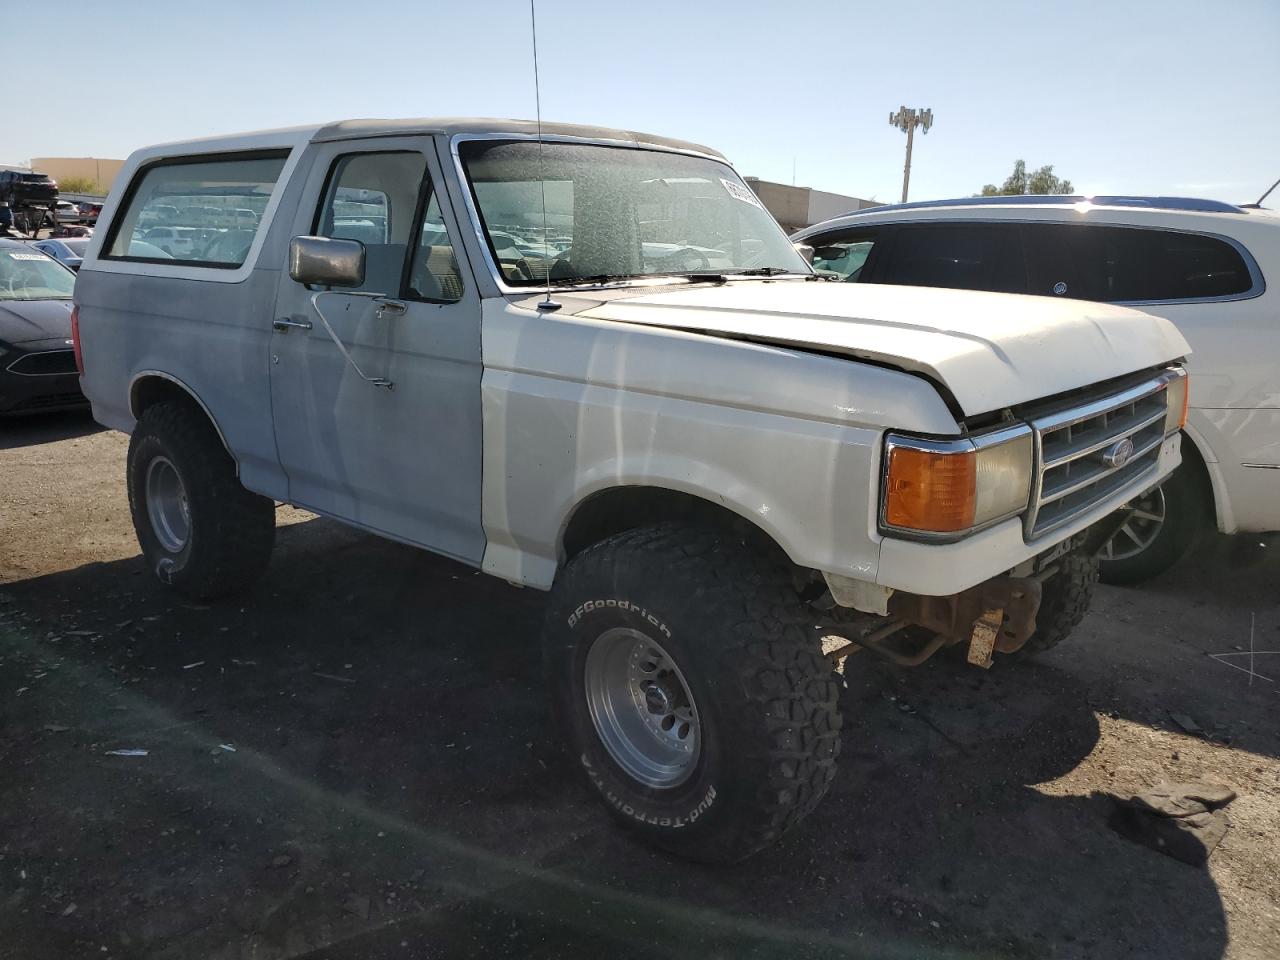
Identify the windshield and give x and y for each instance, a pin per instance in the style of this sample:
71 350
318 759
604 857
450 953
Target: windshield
77 247
30 275
618 212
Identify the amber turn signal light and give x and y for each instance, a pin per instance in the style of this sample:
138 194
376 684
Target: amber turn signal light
930 491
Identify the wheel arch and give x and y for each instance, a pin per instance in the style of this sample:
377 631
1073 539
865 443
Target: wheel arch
612 510
1197 452
153 386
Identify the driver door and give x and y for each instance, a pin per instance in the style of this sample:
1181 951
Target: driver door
402 460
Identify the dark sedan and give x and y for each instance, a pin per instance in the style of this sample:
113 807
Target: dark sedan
37 363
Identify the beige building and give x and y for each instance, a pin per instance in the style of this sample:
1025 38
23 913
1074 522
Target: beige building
797 207
92 168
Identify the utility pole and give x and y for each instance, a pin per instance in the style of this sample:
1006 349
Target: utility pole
907 121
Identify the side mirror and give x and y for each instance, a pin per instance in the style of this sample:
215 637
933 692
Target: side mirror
326 262
805 251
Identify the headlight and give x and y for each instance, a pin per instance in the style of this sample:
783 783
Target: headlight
948 488
1175 417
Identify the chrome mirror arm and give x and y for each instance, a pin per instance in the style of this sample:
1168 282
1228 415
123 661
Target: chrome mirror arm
376 381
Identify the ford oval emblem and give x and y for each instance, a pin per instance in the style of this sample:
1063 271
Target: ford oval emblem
1118 454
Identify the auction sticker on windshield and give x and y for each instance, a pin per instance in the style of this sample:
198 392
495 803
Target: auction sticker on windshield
27 256
739 192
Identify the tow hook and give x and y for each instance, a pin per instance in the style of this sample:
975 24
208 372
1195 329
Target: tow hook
983 641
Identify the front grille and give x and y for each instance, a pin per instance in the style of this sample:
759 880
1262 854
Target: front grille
1075 464
48 363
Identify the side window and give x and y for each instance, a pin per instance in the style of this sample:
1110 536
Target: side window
844 255
372 197
434 274
163 194
1126 264
962 256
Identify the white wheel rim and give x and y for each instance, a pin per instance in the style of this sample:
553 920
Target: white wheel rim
167 506
642 708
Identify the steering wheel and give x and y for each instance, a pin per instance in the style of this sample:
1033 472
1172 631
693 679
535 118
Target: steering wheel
688 261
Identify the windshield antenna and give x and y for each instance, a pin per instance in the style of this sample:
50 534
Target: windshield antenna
548 303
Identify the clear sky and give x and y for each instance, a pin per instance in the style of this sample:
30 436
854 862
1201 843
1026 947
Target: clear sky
1132 96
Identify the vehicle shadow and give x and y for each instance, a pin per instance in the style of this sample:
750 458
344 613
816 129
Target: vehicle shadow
356 759
35 429
1164 670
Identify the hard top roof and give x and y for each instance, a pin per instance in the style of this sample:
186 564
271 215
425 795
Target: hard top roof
449 126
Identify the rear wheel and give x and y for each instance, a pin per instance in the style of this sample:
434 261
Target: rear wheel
200 531
692 691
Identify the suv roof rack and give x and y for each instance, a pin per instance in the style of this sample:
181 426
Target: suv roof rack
1152 203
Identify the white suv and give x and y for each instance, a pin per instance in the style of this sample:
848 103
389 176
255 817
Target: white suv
1200 263
588 361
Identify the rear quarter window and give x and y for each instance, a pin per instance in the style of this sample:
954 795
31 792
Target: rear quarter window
1133 264
162 195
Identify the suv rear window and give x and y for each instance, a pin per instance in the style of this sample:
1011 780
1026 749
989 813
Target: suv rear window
1128 264
163 195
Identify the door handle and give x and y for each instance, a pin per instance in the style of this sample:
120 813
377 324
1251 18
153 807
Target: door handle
393 308
284 323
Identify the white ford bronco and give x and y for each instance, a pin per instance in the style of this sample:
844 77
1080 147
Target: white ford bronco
588 361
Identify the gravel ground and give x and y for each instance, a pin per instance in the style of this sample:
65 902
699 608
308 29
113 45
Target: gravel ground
354 761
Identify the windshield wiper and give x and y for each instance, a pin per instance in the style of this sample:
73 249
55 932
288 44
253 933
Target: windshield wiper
596 279
699 277
762 272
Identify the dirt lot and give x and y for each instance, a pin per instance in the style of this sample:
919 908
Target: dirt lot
354 762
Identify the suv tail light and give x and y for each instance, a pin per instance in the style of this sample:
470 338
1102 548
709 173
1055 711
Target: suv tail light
75 338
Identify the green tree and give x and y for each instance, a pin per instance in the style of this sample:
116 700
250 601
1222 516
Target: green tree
82 185
1042 181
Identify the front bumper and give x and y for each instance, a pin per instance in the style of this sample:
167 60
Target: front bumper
942 569
22 393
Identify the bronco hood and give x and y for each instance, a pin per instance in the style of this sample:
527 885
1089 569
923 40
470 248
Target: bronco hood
991 350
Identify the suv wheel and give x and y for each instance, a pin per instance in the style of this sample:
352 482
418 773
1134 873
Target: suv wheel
1162 527
200 530
692 690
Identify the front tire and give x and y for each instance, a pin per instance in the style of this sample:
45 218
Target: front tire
202 533
693 694
1064 600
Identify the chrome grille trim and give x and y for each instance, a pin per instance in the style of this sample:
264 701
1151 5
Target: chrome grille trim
1093 476
1070 476
1075 452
